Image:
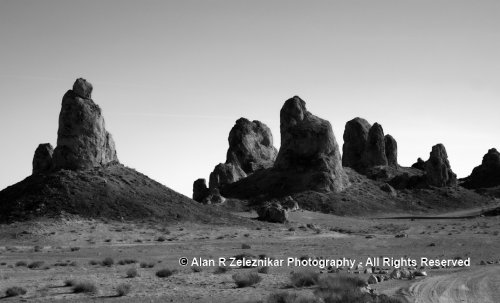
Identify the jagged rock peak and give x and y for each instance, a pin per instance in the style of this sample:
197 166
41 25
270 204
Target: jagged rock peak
308 144
251 146
82 139
438 169
42 159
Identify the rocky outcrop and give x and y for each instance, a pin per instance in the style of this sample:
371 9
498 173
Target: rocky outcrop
355 137
487 174
42 160
391 150
214 197
272 212
420 164
82 139
437 168
251 146
200 190
290 204
374 154
308 145
225 173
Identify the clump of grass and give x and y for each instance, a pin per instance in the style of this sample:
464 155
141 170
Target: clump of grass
165 273
304 278
35 264
263 270
127 261
21 264
246 279
75 248
108 262
86 287
221 270
147 264
15 291
245 246
132 273
161 239
123 289
196 269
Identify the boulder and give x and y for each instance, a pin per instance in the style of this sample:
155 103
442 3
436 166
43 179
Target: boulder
438 169
225 173
372 279
405 274
200 190
82 139
251 146
214 197
487 174
272 212
374 153
389 189
395 274
290 204
42 160
355 137
420 164
391 150
308 147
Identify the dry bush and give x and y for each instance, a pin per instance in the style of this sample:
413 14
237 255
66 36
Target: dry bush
15 291
108 262
21 264
147 264
35 264
196 269
221 270
132 273
123 289
86 287
304 278
246 279
245 246
127 261
165 273
263 270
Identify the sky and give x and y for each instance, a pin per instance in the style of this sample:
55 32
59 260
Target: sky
172 77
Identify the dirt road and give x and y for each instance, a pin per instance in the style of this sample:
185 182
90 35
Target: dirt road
476 285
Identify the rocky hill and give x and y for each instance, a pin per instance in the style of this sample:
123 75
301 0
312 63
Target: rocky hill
82 176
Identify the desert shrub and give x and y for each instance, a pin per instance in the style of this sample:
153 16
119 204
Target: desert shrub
245 246
304 278
75 248
94 262
70 282
161 239
286 297
246 279
127 261
108 262
221 270
37 248
196 269
147 264
263 270
123 289
165 273
74 263
21 264
35 264
86 287
132 273
15 291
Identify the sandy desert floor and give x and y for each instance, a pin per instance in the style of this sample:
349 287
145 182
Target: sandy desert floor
69 246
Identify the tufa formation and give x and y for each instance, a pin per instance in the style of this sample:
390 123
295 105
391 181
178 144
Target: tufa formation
42 160
82 139
365 146
437 168
487 174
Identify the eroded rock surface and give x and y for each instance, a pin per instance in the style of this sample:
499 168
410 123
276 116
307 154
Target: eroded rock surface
487 174
42 160
438 169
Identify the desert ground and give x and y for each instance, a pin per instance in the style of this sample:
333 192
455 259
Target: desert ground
72 248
